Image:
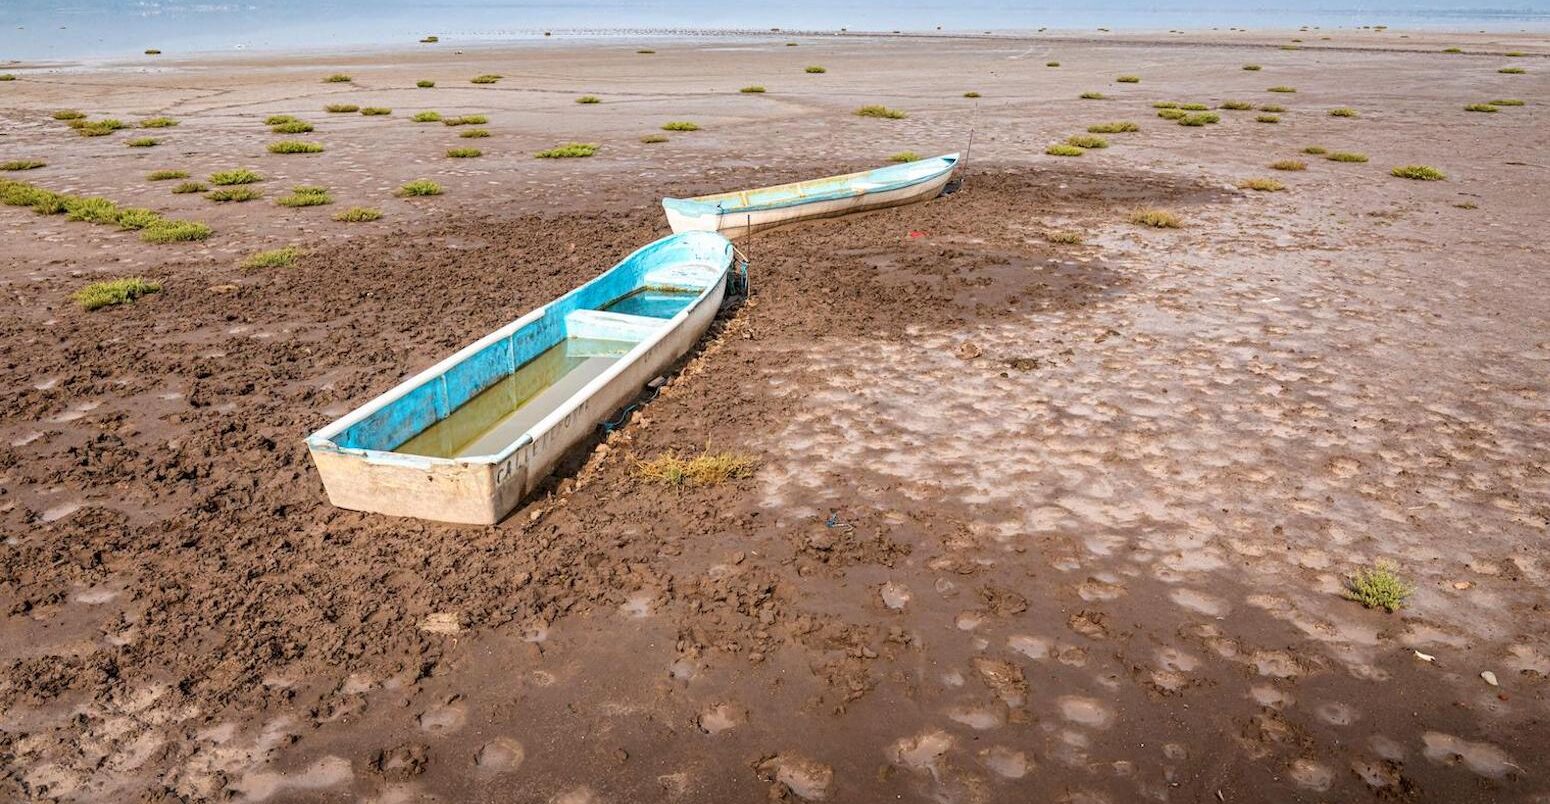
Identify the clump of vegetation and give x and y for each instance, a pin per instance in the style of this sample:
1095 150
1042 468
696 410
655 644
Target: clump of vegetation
426 117
136 218
1116 127
464 153
1267 118
338 78
1065 237
706 469
1378 586
420 187
1512 71
235 176
474 134
680 125
234 194
375 111
22 164
430 40
488 78
570 150
1315 150
1128 79
971 94
1281 89
358 215
466 120
589 99
1262 185
1051 64
96 128
1165 104
1172 114
189 186
1193 107
1290 47
1467 205
1236 106
654 138
69 114
1481 107
1156 218
1093 96
306 195
904 156
7 77
425 84
880 111
815 69
158 122
295 147
1200 119
1089 141
292 127
1061 149
341 108
114 291
1419 173
273 258
143 142
281 119
1507 102
1288 164
1453 50
1253 68
1273 108
1342 111
152 52
91 210
649 51
1346 156
753 89
171 231
1515 53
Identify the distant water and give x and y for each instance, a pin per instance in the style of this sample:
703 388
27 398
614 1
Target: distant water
75 29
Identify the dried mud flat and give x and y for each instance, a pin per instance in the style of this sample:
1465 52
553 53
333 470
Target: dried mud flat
1031 521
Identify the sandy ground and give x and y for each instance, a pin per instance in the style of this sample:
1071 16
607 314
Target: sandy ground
1032 522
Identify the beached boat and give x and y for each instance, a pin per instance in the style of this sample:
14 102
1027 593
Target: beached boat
739 213
468 438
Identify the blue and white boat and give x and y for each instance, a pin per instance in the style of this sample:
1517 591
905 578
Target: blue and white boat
739 213
468 438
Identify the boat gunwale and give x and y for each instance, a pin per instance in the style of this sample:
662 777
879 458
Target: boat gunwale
706 204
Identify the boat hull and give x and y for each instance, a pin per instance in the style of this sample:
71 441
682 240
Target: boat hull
484 489
706 214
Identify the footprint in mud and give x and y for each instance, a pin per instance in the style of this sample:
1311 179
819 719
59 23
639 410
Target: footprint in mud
979 718
580 795
807 779
1310 774
720 718
895 596
1005 762
1482 758
95 595
1200 602
1029 646
1337 714
969 620
923 752
327 772
639 605
1268 696
500 755
1100 589
1086 711
443 718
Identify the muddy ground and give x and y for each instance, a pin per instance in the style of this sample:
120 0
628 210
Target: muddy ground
1031 521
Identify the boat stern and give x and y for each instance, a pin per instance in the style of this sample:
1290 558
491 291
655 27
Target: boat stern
688 215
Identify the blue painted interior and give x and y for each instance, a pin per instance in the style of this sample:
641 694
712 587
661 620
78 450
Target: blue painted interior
880 180
660 266
652 303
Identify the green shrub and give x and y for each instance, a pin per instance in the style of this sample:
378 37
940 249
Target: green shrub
281 119
175 232
152 52
1093 96
165 175
22 164
1087 141
375 111
1051 64
1281 89
1267 118
69 114
1128 79
1419 173
648 51
306 196
815 69
1200 119
143 142
680 125
971 94
1273 108
650 139
570 150
7 77
1156 218
1253 68
485 79
1315 150
1288 164
1378 587
190 187
904 156
1194 107
420 187
1165 105
464 153
425 84
1346 156
1262 185
1172 114
158 122
589 99
1481 107
1507 102
430 40
1453 50
136 218
338 78
234 194
880 111
754 89
91 210
358 215
1064 237
97 128
292 127
1061 149
274 258
466 120
474 134
234 176
1342 111
341 108
114 291
1116 127
1236 106
1512 71
426 117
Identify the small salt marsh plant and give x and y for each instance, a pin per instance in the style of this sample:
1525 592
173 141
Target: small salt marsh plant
1288 164
426 117
680 125
419 188
474 134
488 78
1194 107
1453 50
273 258
753 89
158 122
651 139
137 218
425 84
1235 106
1378 587
815 69
465 120
1172 114
375 111
1253 68
1051 64
430 40
190 187
706 469
1165 104
1267 118
1481 107
587 100
648 51
341 108
1261 185
1342 111
1115 127
22 164
1315 150
91 210
237 194
1419 173
570 150
225 178
1273 108
971 94
114 292
306 195
338 78
7 77
143 142
880 111
464 153
96 128
1512 71
169 231
1064 237
1093 96
1345 156
1199 119
1062 149
1283 89
1089 141
358 215
69 114
1507 102
1156 218
1515 53
904 156
1128 79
